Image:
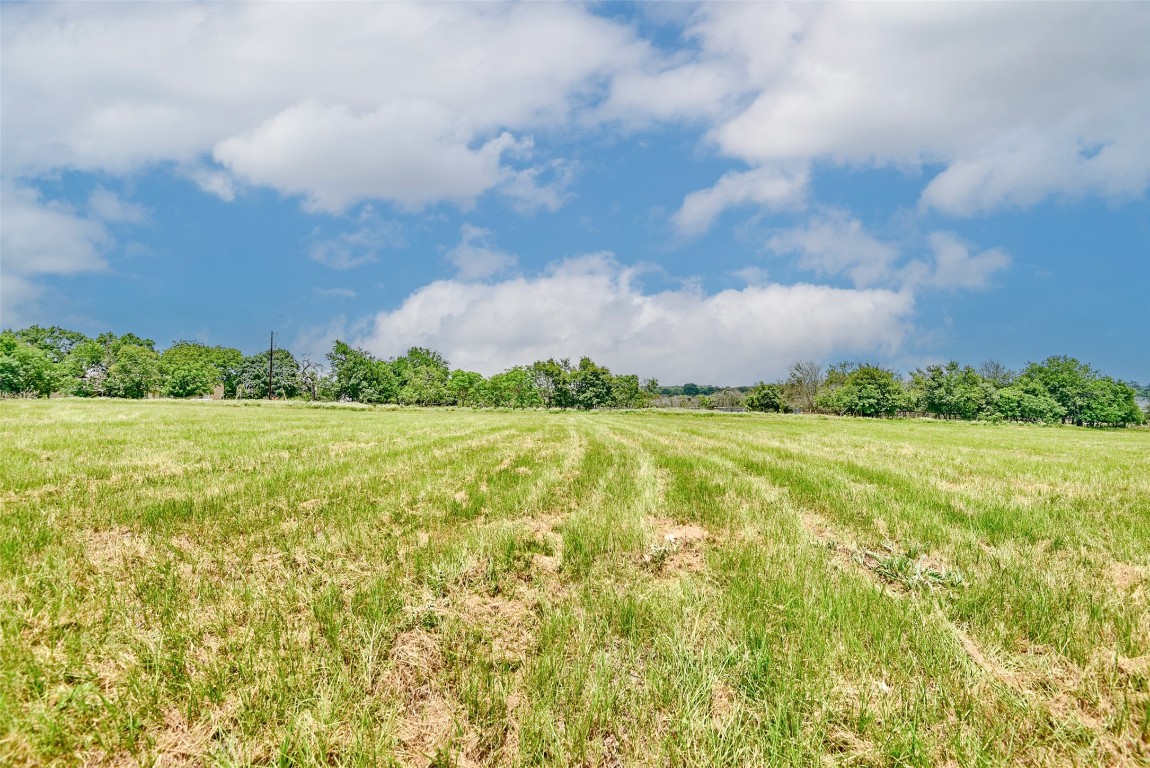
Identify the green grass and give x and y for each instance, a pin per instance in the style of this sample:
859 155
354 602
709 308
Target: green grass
214 584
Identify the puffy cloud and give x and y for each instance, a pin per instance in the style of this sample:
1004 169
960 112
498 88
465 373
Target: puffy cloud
411 152
476 256
772 188
955 266
1019 102
591 305
41 237
834 244
337 103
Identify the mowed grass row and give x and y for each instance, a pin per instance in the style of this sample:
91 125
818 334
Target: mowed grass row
216 584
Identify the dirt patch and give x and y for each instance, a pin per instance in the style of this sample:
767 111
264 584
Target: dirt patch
677 548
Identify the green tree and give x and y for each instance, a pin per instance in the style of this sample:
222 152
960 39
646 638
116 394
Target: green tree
134 372
86 368
357 375
1015 403
591 385
627 393
1111 404
765 398
422 375
57 342
951 390
866 391
254 376
553 382
192 357
514 388
466 388
191 379
1068 381
25 369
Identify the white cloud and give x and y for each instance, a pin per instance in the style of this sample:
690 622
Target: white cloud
411 152
833 243
1019 102
476 257
338 103
359 246
41 237
955 266
772 188
591 305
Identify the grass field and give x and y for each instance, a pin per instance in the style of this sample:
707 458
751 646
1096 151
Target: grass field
207 583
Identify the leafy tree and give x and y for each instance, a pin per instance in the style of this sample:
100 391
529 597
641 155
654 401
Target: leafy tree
1017 404
190 379
422 375
950 390
55 341
1111 404
86 368
466 388
514 388
591 385
357 375
553 382
134 372
1068 381
626 392
866 391
192 356
254 376
25 369
765 398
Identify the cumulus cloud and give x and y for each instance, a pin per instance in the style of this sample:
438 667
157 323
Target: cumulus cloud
41 237
1018 102
476 256
591 305
403 102
833 243
771 188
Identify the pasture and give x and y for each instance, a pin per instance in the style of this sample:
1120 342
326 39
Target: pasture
220 584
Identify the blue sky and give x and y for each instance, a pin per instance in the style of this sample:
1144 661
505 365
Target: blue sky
700 193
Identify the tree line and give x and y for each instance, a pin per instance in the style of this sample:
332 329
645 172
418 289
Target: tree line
36 361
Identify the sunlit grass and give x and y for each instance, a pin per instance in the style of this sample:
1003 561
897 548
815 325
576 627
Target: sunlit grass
209 583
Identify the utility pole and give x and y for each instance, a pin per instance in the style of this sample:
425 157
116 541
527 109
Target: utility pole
271 357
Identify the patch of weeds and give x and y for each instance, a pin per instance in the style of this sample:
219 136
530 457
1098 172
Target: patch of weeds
656 557
908 567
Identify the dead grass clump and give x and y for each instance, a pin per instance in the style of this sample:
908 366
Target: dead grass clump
1125 576
428 715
